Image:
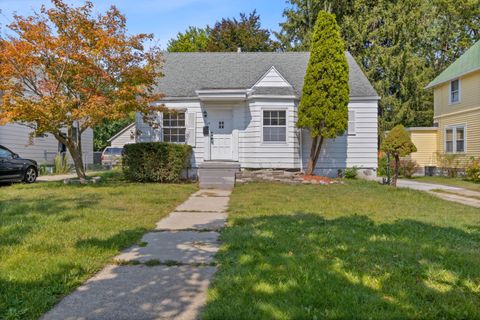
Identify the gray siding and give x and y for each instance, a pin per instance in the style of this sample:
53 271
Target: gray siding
44 149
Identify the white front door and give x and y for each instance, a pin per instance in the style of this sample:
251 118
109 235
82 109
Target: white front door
221 126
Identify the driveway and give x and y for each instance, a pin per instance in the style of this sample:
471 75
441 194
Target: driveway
455 194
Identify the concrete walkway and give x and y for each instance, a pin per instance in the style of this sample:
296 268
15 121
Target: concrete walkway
166 276
455 194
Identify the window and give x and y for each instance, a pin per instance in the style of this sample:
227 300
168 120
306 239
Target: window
274 126
174 127
455 91
449 140
5 153
460 140
221 124
455 139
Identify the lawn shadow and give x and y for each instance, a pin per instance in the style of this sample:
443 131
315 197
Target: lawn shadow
117 242
305 266
18 297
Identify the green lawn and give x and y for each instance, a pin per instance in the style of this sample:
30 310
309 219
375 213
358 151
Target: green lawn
358 250
53 237
454 182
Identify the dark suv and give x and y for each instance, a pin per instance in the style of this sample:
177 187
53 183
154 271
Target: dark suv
13 168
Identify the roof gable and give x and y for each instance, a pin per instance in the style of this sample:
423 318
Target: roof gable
272 79
467 63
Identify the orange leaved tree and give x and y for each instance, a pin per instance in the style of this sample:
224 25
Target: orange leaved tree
66 69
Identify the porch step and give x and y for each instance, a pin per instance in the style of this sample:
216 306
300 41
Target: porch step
218 174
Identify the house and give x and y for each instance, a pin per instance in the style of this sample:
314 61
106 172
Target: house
125 136
425 139
43 149
456 94
242 108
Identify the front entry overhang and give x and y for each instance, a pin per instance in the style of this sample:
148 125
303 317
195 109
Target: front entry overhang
222 94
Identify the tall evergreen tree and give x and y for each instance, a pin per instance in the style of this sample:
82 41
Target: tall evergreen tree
323 107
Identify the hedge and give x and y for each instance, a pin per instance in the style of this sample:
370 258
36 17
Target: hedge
155 161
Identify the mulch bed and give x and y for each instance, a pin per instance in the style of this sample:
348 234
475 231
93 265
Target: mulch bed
317 179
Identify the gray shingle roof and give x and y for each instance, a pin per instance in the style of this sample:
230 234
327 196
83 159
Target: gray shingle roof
187 72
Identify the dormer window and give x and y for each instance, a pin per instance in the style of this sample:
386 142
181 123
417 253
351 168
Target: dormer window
455 91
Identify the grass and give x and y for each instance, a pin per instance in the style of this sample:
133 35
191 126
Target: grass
358 250
54 236
454 182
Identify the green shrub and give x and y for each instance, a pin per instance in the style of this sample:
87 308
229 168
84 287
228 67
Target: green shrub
408 168
450 163
351 173
155 161
472 170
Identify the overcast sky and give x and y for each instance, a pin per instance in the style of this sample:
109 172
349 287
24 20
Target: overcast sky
165 18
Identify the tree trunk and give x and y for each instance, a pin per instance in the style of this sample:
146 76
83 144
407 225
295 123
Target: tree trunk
75 150
314 153
397 164
77 158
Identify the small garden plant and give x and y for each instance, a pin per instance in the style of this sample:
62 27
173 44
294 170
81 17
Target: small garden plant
397 144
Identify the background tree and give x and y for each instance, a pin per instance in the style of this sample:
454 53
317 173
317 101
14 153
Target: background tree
192 40
324 104
400 44
398 144
107 129
65 69
246 33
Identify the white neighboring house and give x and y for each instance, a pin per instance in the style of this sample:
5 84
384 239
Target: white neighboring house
125 136
43 149
242 107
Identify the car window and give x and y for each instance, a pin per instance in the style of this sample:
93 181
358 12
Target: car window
5 153
116 151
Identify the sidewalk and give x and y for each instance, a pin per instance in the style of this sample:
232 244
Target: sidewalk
449 193
166 276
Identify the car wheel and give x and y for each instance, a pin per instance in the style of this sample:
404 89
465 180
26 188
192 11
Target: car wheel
30 175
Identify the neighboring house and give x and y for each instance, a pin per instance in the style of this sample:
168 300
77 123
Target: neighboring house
125 136
457 106
425 139
43 149
242 107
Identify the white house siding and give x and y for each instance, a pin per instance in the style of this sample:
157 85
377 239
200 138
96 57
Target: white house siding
124 138
272 79
350 150
43 149
253 152
358 149
147 134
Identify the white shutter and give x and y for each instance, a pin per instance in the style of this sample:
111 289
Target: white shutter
159 129
351 122
191 128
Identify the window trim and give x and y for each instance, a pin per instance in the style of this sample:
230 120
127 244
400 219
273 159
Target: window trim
175 127
262 126
450 92
454 137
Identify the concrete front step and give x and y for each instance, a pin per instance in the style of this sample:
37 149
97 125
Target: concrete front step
218 174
